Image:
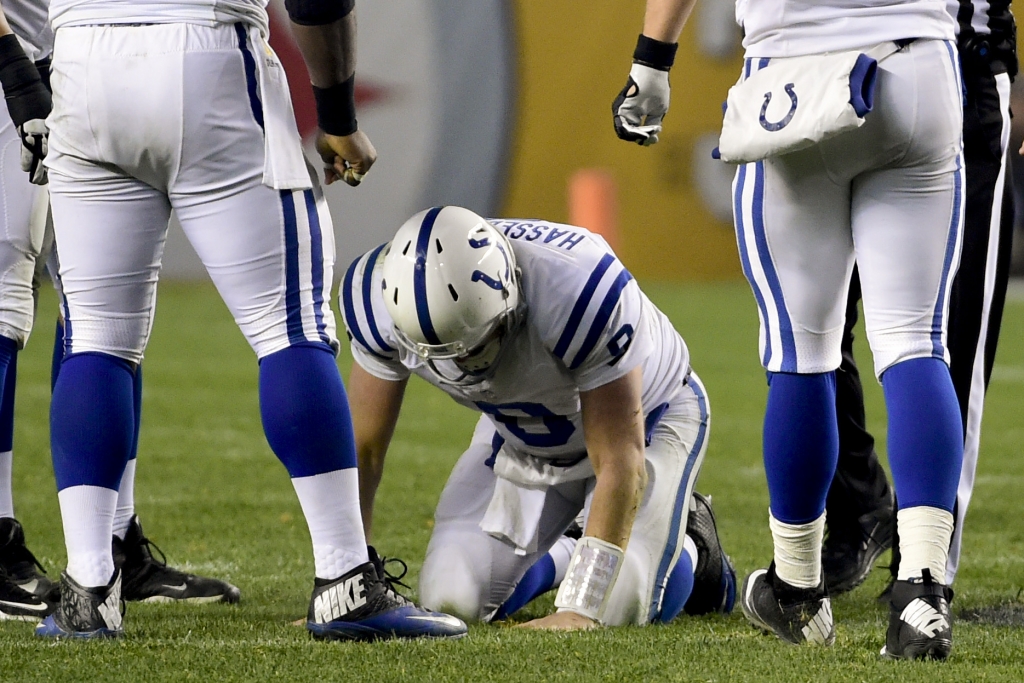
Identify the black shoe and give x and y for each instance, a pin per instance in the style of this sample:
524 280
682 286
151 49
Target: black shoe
920 623
714 579
17 604
21 566
796 615
848 555
364 605
86 613
147 579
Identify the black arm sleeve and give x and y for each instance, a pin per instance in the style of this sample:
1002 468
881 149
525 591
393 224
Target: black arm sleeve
318 12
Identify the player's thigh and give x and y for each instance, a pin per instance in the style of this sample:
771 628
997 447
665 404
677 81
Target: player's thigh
907 222
793 233
270 254
467 571
674 459
22 218
110 230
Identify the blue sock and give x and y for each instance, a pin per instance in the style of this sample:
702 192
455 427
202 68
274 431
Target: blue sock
137 405
538 580
10 380
92 420
58 353
801 444
678 589
305 411
926 440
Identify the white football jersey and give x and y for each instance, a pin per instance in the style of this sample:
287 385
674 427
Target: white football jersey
29 19
790 28
205 12
586 324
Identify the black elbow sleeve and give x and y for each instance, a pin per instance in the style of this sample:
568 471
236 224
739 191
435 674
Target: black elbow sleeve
318 12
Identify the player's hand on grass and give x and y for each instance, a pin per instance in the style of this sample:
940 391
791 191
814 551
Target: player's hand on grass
638 110
561 621
347 157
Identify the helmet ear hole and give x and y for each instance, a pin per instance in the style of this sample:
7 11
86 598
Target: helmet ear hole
451 290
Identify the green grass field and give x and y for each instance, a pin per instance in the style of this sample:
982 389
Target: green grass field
213 496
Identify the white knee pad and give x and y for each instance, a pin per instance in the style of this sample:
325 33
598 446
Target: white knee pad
449 583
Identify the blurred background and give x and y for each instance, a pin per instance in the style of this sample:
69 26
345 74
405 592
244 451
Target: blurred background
497 105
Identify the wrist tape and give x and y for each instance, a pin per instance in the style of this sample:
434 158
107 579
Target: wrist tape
654 53
336 108
588 583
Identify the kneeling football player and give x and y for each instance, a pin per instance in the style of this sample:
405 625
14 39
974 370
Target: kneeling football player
589 408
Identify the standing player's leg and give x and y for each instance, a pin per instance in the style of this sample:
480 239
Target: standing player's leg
792 220
859 507
979 290
907 229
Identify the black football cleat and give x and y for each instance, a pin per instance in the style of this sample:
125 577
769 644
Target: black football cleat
364 605
848 555
796 615
86 613
21 567
920 623
147 579
17 604
714 579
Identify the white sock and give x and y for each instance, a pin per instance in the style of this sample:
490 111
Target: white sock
924 542
561 553
798 551
88 515
6 487
330 503
125 500
691 549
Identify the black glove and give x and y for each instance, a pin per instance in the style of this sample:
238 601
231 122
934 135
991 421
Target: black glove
29 103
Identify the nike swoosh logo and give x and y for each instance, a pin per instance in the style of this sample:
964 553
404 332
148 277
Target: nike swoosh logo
176 588
22 605
30 586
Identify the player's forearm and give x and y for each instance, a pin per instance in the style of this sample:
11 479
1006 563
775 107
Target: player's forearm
5 28
329 50
664 19
617 496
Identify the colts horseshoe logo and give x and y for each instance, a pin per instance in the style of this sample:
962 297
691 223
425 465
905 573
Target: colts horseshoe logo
779 125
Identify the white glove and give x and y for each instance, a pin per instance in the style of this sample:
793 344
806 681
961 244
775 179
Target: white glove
34 144
638 110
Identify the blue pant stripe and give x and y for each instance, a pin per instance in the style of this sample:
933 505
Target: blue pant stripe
677 509
250 73
764 256
745 260
316 257
371 322
938 350
580 307
293 303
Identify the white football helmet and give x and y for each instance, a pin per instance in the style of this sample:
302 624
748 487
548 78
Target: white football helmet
452 288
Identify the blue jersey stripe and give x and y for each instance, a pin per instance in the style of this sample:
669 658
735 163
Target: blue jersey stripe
250 74
316 256
367 298
419 276
947 264
604 314
348 302
580 307
789 363
741 239
677 509
293 303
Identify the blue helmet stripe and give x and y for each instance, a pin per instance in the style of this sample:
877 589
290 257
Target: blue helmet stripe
419 276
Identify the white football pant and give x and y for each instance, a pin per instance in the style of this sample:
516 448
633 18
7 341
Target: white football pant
152 118
469 573
888 195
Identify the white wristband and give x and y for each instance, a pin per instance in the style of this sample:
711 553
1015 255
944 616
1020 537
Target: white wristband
593 568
